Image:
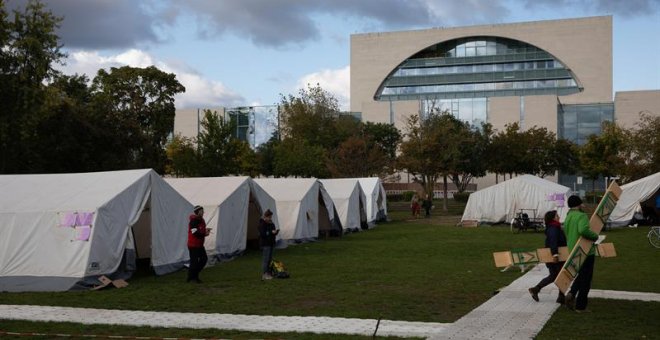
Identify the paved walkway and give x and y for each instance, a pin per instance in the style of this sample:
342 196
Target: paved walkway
511 314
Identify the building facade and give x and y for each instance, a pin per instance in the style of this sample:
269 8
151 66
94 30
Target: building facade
555 74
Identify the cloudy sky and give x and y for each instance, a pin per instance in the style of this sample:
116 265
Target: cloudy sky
248 52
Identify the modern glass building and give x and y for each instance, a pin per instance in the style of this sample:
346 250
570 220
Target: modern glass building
555 74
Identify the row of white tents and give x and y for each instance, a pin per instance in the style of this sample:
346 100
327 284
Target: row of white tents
501 202
63 231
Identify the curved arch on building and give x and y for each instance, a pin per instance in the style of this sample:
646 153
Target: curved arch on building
478 67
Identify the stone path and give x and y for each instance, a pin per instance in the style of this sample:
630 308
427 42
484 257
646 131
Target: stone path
511 314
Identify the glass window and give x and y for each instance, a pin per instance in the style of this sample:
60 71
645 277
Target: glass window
470 52
460 51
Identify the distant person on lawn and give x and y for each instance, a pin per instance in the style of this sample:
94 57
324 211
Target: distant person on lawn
427 204
267 234
554 238
414 206
197 232
576 225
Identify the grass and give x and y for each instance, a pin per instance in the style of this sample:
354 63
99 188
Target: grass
403 270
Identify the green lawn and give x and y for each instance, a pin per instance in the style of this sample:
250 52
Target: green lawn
402 270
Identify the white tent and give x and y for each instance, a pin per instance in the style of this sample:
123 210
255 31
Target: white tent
501 202
376 199
295 206
61 230
349 200
226 202
634 195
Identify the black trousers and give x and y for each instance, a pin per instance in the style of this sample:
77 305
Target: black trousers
582 284
554 269
198 260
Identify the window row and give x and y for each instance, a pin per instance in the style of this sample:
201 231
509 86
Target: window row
530 84
479 68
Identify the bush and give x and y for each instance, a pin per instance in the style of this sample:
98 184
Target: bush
408 195
461 196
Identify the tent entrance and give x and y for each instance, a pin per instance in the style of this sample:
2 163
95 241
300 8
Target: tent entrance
254 214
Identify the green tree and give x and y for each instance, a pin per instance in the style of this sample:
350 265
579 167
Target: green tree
219 153
643 149
473 148
182 157
603 155
265 155
29 49
354 158
299 158
386 138
430 149
140 102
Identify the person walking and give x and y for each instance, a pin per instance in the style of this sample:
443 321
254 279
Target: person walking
197 232
427 204
576 224
554 238
267 234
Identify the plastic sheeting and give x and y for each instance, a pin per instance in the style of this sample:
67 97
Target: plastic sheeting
501 202
632 195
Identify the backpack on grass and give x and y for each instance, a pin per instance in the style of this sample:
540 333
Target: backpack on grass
278 270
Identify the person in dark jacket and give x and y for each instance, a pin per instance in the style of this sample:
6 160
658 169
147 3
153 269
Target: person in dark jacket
197 232
427 204
554 238
267 234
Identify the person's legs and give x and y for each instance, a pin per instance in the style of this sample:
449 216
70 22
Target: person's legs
586 272
553 269
266 256
193 268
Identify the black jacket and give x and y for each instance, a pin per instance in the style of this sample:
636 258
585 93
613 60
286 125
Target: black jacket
554 237
266 233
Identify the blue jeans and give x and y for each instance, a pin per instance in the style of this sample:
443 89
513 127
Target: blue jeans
266 257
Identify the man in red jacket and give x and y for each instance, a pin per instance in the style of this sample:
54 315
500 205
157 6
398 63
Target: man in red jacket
197 232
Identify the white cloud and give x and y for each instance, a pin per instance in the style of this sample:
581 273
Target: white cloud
200 92
335 81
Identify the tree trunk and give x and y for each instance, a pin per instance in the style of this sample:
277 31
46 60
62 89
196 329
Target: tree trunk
444 200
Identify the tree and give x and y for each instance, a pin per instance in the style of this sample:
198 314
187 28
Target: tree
540 156
603 154
430 149
643 152
311 117
385 138
265 155
299 158
473 150
219 153
182 157
140 102
28 49
354 158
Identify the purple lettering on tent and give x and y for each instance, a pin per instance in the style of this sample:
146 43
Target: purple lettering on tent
67 219
83 232
85 218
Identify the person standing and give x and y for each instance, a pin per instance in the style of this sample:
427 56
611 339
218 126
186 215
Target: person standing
414 206
576 224
267 234
427 204
554 238
197 232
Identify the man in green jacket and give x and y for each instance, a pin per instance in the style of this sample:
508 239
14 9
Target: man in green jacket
576 224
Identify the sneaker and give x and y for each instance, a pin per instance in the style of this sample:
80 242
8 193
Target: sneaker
569 300
266 277
561 298
535 293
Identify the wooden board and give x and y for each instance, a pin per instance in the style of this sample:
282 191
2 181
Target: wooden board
579 254
543 255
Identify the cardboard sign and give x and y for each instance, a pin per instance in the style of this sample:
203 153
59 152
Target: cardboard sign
583 246
543 255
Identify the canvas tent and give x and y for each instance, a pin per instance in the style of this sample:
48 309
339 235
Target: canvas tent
376 199
636 196
295 206
58 231
501 202
228 209
349 201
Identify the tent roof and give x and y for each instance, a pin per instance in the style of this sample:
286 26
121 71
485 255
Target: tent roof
206 191
286 189
339 187
59 192
632 194
529 180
